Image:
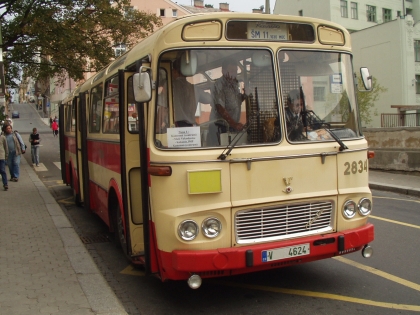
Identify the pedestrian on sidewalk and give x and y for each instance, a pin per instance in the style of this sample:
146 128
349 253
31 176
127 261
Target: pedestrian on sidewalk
16 148
54 128
8 120
34 139
4 152
51 121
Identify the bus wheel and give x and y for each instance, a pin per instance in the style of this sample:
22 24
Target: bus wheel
76 198
119 229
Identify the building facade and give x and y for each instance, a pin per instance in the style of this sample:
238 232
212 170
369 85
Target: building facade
385 37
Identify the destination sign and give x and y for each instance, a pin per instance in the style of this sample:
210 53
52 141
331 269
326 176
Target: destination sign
270 31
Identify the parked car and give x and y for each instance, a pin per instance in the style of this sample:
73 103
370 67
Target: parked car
15 114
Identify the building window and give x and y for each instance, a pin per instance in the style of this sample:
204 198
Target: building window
354 14
417 50
344 12
386 15
417 84
120 49
127 10
371 13
300 12
398 13
162 12
174 13
319 93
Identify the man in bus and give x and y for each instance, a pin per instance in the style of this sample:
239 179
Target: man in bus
294 121
186 98
227 101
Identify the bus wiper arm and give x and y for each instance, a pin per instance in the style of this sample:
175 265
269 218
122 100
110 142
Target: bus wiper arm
235 140
341 143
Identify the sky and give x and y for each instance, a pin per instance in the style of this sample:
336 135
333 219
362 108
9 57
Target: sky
234 5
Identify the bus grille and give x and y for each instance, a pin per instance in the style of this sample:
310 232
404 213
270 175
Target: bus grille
281 222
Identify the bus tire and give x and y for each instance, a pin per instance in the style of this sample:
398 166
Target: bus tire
119 235
76 196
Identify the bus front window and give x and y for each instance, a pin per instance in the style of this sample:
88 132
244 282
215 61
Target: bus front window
218 96
318 95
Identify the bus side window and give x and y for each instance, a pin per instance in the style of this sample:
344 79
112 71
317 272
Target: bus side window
132 117
111 115
95 109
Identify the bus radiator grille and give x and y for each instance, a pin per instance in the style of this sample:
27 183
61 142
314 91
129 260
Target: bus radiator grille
282 222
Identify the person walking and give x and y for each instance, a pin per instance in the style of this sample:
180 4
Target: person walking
34 139
54 128
4 152
16 149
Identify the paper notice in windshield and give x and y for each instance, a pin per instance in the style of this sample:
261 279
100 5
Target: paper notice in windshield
184 137
267 31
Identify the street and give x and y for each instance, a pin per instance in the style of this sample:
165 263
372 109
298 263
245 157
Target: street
386 283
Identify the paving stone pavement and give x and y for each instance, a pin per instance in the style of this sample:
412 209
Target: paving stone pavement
44 266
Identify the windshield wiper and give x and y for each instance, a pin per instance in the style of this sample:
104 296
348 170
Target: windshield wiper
342 145
235 139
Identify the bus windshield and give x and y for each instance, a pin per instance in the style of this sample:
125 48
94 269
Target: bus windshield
318 95
218 97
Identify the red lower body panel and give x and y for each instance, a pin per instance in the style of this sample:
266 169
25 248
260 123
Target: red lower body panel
179 264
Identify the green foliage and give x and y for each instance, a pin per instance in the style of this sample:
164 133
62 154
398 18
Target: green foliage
366 100
44 39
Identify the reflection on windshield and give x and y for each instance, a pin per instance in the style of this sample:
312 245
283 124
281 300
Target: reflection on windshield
318 94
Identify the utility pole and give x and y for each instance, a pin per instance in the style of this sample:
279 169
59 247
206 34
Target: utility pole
267 7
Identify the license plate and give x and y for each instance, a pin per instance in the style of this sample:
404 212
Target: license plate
285 252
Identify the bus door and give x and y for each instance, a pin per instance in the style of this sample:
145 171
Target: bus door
132 190
82 195
63 113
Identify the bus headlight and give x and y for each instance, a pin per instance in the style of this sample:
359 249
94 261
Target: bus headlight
365 206
188 230
211 227
349 209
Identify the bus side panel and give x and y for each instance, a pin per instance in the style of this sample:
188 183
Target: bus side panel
104 164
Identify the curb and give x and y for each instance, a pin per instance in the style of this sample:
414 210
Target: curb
411 191
99 294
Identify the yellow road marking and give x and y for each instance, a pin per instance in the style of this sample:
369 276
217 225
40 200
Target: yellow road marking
395 222
66 201
132 271
379 273
404 307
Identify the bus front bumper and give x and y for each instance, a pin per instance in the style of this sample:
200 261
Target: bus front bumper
180 264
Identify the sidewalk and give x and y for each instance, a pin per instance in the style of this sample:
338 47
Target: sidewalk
44 266
394 182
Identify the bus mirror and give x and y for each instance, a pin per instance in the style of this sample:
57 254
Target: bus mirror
366 78
142 86
188 63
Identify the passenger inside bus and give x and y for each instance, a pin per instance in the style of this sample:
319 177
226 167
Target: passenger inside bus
302 124
227 100
294 121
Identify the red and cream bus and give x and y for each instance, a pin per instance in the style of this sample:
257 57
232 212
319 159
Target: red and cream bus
189 149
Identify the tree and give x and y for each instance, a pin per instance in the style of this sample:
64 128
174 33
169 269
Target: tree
65 38
366 100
